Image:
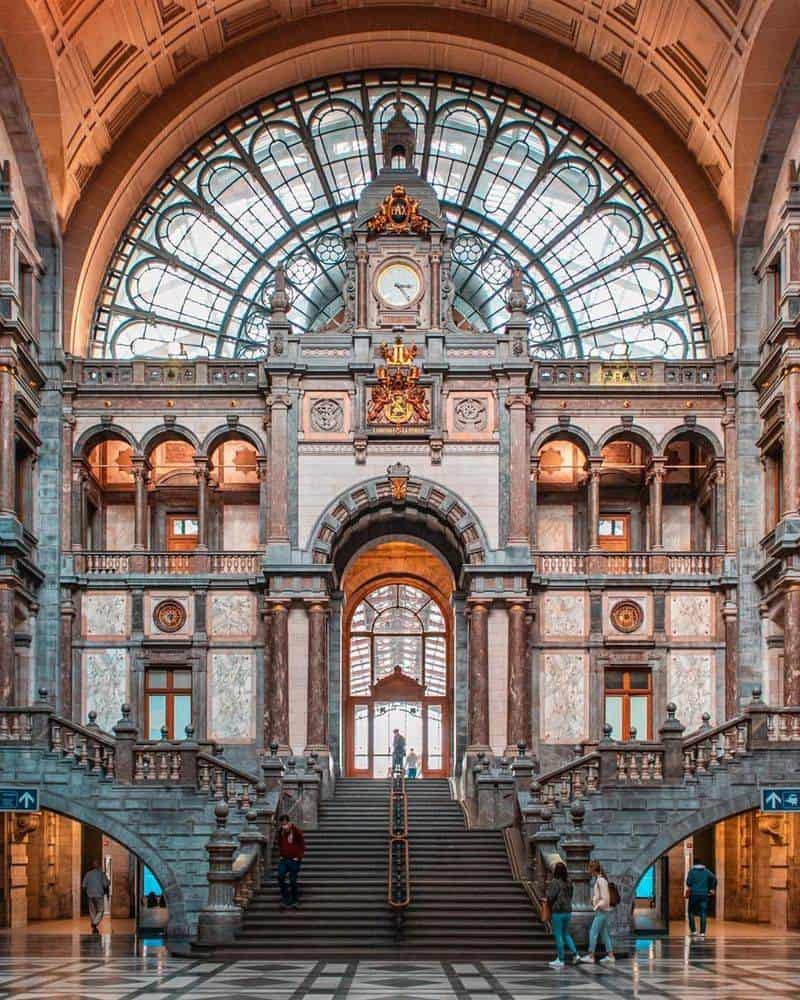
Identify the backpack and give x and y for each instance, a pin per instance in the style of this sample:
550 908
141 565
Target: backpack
613 894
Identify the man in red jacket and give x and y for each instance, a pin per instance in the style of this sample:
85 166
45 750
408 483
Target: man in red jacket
291 848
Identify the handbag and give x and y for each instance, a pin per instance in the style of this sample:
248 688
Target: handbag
545 911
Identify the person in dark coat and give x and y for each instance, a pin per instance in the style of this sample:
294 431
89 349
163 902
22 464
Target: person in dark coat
291 849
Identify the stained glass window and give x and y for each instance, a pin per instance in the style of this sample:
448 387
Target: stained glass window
518 183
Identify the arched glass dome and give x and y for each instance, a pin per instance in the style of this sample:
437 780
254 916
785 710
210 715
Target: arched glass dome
278 183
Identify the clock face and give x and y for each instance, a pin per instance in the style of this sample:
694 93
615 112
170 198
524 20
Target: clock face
398 285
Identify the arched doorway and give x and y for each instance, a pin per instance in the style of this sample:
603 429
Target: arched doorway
397 646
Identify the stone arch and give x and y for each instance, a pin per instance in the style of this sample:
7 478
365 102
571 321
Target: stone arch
707 435
161 433
422 496
577 435
631 430
93 435
673 832
75 808
219 435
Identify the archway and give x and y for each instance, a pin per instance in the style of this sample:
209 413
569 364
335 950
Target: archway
397 651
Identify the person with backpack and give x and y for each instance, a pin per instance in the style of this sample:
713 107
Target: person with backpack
700 885
605 896
559 897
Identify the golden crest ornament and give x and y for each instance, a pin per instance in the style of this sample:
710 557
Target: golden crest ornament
399 213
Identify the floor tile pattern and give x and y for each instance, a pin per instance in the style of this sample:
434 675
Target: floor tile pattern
669 969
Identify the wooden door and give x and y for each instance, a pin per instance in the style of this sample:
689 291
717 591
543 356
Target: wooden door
182 532
614 532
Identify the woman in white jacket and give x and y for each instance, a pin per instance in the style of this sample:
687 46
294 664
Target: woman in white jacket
601 904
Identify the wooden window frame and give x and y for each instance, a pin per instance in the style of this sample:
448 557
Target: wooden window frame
169 693
626 692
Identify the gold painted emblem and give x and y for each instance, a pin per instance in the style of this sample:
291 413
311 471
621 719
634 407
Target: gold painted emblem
398 398
399 213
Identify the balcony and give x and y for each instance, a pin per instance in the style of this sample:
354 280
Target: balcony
677 564
135 562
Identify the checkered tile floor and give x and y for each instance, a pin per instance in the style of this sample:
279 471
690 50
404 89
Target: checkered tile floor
734 968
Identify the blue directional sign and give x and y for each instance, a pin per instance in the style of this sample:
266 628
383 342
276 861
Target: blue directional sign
19 799
775 800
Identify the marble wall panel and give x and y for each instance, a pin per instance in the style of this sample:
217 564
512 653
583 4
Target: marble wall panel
690 684
677 528
498 678
119 527
562 687
231 613
105 613
240 528
564 614
231 696
690 615
298 679
554 527
105 686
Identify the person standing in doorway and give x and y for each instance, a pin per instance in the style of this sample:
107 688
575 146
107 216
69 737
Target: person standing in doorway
559 896
700 885
398 750
291 848
411 764
96 885
601 904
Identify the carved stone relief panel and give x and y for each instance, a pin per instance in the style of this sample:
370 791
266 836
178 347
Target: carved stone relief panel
105 685
564 614
627 615
105 614
563 697
690 684
690 615
231 613
326 415
470 415
168 615
231 696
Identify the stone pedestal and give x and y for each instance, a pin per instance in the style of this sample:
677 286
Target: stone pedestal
577 850
301 796
495 796
221 917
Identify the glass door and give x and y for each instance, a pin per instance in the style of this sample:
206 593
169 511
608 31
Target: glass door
390 715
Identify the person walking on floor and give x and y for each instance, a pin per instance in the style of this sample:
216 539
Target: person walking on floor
96 885
412 762
559 896
291 848
398 750
700 885
601 904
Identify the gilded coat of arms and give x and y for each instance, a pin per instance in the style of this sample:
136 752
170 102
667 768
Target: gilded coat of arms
398 398
399 213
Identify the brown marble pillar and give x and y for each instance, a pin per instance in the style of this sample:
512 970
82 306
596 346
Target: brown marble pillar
478 736
201 474
263 499
656 504
279 463
518 726
317 728
279 688
791 442
140 476
519 469
7 445
7 648
593 504
791 646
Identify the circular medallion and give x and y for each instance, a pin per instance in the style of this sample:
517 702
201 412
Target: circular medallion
169 616
626 616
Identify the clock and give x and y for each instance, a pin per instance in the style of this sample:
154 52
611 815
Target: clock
398 285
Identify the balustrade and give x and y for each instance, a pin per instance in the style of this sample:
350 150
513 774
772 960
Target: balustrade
783 725
168 563
640 765
629 563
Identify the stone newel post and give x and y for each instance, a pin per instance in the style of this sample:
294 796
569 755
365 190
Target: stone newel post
220 917
577 850
125 734
671 734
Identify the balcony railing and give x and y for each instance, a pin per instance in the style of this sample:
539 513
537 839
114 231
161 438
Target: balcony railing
168 563
629 563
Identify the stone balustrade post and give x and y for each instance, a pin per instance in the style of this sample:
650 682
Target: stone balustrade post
301 795
272 769
252 834
188 750
577 850
125 736
671 733
220 917
758 711
495 795
607 748
522 767
543 850
40 719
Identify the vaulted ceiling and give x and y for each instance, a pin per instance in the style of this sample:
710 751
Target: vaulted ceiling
89 68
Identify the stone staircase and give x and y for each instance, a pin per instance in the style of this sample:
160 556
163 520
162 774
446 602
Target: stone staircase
465 902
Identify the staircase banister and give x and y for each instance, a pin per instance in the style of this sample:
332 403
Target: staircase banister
573 765
98 735
701 735
225 766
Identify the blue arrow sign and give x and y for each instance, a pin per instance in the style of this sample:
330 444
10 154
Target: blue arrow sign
19 799
780 799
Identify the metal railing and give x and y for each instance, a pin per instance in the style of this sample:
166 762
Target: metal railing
399 874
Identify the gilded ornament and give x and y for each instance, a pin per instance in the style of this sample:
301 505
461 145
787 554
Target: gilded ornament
169 616
399 213
398 398
627 616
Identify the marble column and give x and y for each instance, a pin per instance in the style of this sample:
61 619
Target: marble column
729 425
317 729
791 442
519 471
533 502
79 474
656 504
594 503
279 461
279 688
436 305
201 474
7 645
478 736
718 487
519 678
140 477
68 612
263 499
67 443
7 440
791 643
730 626
362 290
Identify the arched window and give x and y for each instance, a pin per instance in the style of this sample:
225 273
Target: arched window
518 184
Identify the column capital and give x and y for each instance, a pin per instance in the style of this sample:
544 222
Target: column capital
279 400
518 400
